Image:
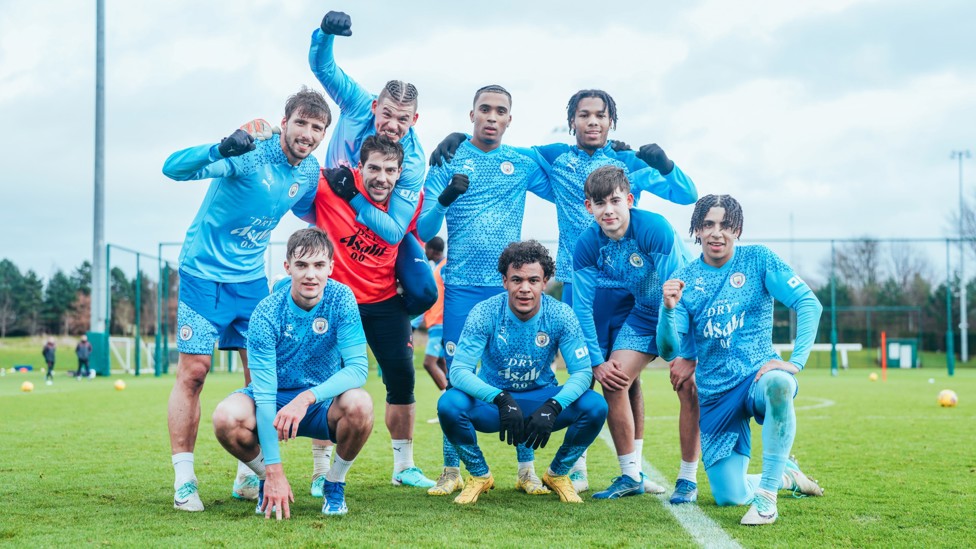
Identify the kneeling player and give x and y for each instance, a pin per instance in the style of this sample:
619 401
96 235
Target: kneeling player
308 361
515 336
725 318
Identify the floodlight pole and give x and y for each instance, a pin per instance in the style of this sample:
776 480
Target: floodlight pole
963 310
99 275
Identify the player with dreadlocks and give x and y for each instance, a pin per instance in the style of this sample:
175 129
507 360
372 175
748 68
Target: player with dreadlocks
590 115
725 321
393 114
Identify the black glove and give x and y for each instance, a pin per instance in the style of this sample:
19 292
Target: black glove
446 149
454 189
619 146
654 157
236 144
510 419
337 23
539 425
342 182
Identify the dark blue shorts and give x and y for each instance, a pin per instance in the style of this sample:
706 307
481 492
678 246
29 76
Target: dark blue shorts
315 424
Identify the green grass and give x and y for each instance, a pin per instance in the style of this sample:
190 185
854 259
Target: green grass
84 464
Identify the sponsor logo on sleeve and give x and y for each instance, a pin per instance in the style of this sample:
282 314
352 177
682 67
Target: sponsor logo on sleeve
794 282
582 352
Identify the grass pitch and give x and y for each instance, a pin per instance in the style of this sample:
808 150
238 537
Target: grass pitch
84 464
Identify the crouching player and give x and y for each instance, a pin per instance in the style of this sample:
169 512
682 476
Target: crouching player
720 309
308 361
515 335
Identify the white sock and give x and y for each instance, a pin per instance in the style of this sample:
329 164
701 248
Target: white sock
337 473
580 464
321 455
243 470
639 450
183 465
689 471
526 465
257 465
629 466
402 455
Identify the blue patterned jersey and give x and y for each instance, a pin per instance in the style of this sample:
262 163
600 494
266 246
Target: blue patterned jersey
485 219
646 256
568 168
517 355
356 123
323 350
727 312
245 201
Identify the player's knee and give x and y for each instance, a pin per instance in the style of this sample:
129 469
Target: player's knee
779 387
357 408
226 418
450 405
399 378
594 407
193 371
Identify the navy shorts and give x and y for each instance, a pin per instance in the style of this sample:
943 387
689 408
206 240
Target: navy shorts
315 424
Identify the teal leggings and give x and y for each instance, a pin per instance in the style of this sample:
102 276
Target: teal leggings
772 397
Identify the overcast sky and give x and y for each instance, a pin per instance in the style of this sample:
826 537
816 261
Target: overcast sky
839 114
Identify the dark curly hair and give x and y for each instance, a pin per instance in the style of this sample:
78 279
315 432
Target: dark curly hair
573 105
526 253
733 213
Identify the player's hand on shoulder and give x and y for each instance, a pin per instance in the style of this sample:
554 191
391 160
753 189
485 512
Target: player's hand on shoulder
236 144
654 156
457 187
672 291
342 182
260 129
337 23
777 364
445 149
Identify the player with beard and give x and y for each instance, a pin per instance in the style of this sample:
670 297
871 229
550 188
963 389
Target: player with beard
222 261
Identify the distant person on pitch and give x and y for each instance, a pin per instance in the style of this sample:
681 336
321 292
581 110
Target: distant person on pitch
83 351
49 350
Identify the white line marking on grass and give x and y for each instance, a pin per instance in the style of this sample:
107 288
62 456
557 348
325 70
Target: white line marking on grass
705 531
823 403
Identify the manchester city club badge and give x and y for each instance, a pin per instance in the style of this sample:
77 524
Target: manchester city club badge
541 339
636 260
186 332
449 348
737 280
293 190
320 325
507 168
